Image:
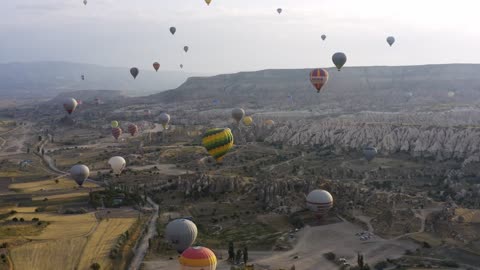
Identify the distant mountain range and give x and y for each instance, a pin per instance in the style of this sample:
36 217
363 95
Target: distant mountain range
351 90
47 79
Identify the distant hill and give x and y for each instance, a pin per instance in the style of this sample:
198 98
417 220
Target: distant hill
352 89
47 79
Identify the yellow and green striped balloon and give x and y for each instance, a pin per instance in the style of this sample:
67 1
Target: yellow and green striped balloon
218 142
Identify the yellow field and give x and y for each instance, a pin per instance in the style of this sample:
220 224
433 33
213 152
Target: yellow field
426 237
62 226
102 240
48 255
63 183
470 215
72 195
5 209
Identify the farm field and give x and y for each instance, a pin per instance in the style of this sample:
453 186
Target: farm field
102 240
48 185
43 255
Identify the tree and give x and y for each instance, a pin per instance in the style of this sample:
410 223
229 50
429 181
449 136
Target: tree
95 266
239 256
231 252
245 255
360 261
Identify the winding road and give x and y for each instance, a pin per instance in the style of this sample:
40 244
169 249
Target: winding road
143 246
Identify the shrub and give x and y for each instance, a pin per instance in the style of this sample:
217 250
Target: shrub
330 256
381 265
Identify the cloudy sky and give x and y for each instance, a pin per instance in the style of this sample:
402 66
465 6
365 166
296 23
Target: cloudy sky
239 35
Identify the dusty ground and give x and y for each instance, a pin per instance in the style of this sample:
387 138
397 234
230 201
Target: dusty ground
312 243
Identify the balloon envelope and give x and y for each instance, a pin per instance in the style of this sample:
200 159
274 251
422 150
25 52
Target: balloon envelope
269 123
181 234
156 66
79 173
173 30
181 65
318 78
339 59
164 120
85 2
132 129
117 132
320 202
218 142
324 37
198 258
279 10
238 114
247 121
117 164
390 41
70 104
208 2
134 71
370 153
185 48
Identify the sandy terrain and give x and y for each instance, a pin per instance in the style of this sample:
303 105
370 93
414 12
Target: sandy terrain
312 243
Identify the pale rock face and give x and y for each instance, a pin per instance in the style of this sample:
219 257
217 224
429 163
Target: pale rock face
440 142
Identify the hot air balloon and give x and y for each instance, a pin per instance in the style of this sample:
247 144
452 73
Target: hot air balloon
97 101
238 114
156 66
247 121
85 2
185 48
134 71
324 37
319 202
164 120
390 40
370 153
79 173
82 77
339 59
173 30
181 234
198 258
318 78
218 142
70 104
269 123
132 129
114 124
208 2
117 164
181 65
279 10
117 132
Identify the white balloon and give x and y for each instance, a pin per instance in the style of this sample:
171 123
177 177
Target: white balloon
117 164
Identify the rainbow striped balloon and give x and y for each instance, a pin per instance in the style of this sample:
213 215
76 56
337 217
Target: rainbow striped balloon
200 258
218 142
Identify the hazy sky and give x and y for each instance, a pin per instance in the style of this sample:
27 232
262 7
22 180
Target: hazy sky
239 35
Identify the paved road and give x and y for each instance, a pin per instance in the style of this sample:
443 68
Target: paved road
143 246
